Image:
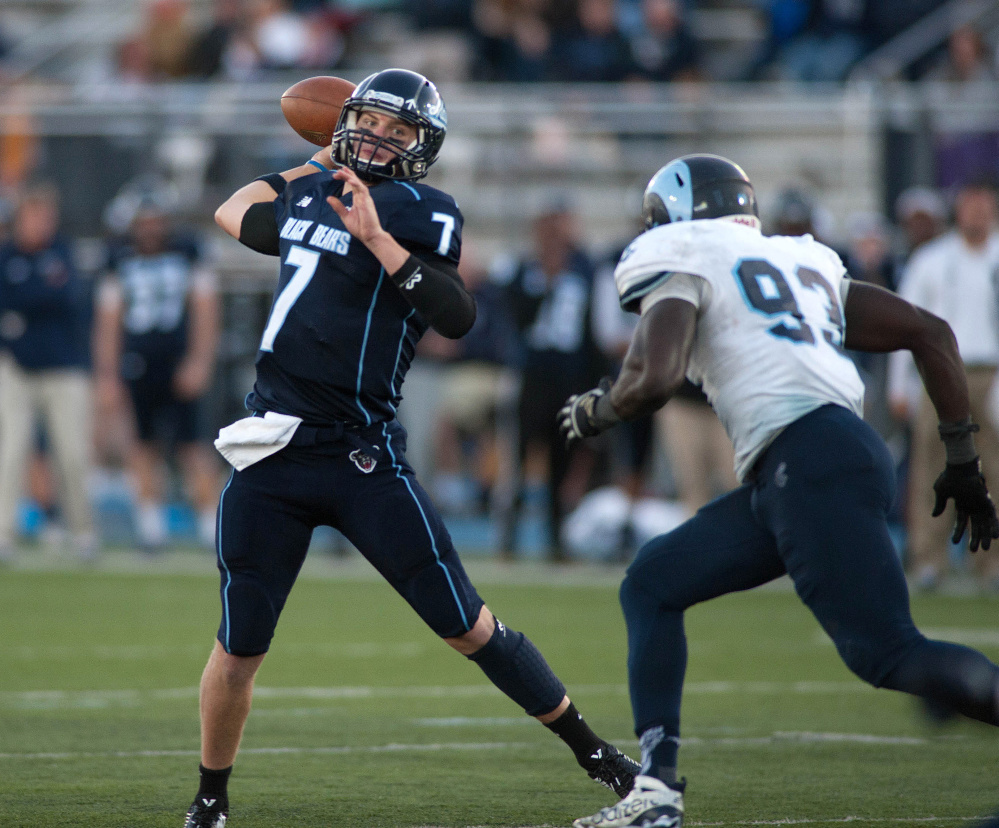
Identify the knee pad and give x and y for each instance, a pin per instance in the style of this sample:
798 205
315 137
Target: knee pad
515 666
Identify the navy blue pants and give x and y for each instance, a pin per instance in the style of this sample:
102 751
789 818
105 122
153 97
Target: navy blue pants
816 511
358 483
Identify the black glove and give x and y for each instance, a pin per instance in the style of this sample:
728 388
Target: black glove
579 417
964 482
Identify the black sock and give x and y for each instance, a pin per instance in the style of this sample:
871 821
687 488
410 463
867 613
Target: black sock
213 790
575 732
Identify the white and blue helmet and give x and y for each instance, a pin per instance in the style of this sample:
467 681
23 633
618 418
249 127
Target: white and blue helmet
698 187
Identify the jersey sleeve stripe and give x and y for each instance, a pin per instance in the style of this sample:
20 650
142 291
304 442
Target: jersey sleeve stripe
632 293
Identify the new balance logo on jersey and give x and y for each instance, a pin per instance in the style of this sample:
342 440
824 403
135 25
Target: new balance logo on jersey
365 463
413 280
304 201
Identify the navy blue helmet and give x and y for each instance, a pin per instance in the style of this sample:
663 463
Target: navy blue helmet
698 187
402 94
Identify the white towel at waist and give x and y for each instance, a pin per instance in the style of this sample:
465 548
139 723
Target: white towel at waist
251 439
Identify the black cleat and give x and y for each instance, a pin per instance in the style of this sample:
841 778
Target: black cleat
612 769
206 813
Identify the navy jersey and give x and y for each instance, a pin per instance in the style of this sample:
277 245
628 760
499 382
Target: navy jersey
155 289
44 307
340 335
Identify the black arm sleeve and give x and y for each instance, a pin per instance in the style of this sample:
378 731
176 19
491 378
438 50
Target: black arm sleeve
259 230
431 284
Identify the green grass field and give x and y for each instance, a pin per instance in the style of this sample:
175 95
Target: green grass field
362 718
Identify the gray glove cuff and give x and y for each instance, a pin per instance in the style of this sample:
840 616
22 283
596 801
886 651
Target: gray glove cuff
604 414
959 441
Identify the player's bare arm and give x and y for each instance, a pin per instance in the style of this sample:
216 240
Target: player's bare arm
878 320
657 358
653 369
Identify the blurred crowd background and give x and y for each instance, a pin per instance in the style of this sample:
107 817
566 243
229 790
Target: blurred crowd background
129 323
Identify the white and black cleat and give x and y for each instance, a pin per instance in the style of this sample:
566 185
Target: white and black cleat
651 804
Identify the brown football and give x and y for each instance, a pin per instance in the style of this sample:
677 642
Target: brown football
312 107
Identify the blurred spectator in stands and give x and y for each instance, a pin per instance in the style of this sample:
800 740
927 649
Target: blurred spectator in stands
161 49
211 45
784 20
440 46
44 367
19 142
967 144
156 337
921 214
512 41
797 212
832 40
664 49
968 58
954 277
550 291
432 15
278 37
868 254
477 386
592 49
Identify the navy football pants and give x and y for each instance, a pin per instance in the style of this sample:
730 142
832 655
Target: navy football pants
267 513
816 511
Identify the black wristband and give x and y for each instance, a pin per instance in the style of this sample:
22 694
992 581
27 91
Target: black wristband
276 182
409 275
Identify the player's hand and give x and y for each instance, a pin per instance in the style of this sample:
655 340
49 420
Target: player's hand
192 378
965 484
578 418
361 218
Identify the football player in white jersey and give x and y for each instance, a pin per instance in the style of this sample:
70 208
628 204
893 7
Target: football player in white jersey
761 322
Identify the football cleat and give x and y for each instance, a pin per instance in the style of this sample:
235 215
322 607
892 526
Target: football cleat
651 804
203 813
612 769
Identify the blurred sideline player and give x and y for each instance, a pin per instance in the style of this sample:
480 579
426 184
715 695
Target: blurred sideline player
156 336
761 322
368 263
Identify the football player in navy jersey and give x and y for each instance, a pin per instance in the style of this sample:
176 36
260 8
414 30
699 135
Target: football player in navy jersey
368 262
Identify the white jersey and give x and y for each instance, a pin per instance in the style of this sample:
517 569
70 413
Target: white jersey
768 344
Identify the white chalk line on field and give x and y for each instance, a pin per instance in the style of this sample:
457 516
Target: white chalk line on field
97 699
274 751
778 738
155 652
